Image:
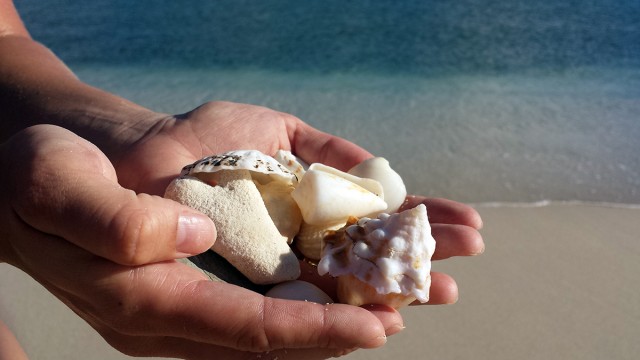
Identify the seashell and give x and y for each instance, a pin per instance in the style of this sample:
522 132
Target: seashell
352 291
383 260
310 239
253 227
327 196
283 210
253 160
370 184
378 169
291 162
273 180
299 290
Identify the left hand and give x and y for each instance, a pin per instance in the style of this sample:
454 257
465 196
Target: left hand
153 161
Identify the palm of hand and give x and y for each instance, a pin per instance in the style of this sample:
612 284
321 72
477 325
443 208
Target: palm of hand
218 127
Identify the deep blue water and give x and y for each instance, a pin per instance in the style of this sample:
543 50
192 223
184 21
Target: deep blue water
383 36
475 100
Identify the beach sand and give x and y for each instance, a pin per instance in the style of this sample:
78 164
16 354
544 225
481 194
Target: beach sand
555 282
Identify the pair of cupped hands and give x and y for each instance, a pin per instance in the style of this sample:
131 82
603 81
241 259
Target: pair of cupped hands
96 232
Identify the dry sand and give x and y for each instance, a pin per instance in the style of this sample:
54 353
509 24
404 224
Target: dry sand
556 282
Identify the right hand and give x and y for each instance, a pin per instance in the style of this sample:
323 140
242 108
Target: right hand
108 253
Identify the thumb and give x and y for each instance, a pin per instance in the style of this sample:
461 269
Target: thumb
69 189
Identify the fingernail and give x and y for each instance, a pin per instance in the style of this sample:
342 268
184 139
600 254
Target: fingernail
375 342
196 233
394 329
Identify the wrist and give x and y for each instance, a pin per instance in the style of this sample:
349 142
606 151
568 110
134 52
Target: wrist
38 88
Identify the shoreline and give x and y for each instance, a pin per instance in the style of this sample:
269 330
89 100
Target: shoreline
544 203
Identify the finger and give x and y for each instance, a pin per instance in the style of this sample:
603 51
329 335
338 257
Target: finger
444 290
456 240
170 299
445 211
9 346
247 321
313 145
144 345
166 346
72 193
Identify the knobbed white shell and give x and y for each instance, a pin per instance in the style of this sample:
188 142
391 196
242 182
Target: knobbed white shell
327 196
378 169
299 290
390 254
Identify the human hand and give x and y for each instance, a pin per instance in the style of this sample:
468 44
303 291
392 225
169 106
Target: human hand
108 253
222 126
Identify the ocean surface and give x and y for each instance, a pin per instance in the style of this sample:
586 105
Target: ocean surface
480 101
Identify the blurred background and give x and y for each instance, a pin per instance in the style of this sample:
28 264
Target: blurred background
530 110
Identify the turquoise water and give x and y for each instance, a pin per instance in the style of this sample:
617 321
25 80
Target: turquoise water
479 101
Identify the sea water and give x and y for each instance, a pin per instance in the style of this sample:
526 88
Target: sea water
475 100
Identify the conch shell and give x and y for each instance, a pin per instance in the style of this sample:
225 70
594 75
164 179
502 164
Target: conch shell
386 260
253 228
327 197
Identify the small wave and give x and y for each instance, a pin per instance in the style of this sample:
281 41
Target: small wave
543 203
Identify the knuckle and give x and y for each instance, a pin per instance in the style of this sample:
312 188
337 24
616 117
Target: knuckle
134 231
253 335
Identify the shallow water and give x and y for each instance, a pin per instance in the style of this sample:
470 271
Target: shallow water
509 138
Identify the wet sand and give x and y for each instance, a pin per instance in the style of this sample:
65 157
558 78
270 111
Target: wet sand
557 281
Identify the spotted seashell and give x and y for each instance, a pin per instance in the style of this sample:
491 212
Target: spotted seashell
291 162
252 160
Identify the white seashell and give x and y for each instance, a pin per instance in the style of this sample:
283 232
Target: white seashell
283 210
291 162
252 160
310 239
378 168
391 254
370 184
299 290
327 196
